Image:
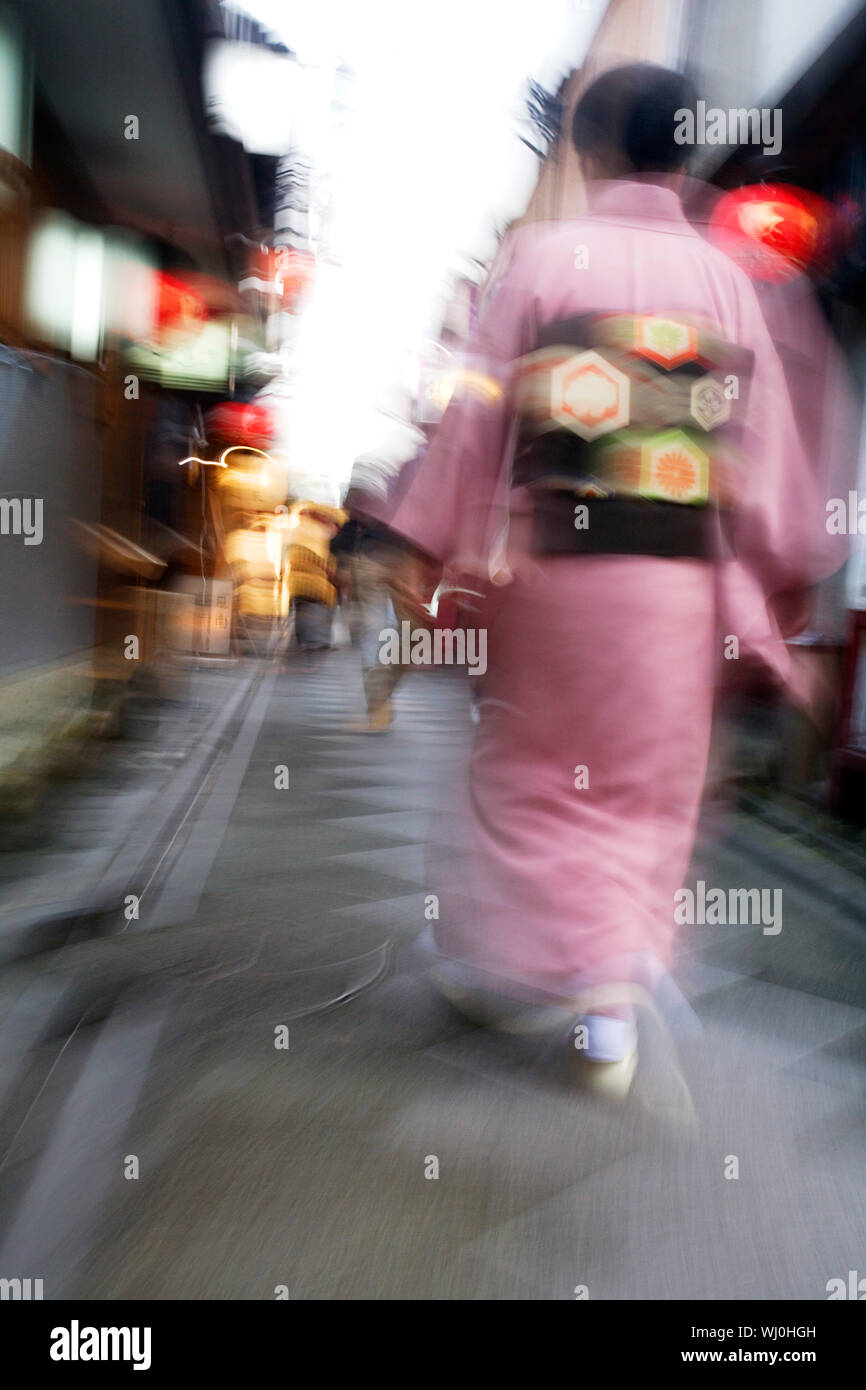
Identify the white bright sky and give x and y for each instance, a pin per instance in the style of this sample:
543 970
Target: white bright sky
427 164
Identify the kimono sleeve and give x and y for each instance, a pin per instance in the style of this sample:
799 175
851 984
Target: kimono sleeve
779 533
457 498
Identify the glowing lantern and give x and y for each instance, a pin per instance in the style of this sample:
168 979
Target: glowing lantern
239 422
179 306
773 231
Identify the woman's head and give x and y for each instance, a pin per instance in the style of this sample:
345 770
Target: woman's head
625 121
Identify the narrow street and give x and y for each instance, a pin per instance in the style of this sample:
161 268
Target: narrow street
242 1093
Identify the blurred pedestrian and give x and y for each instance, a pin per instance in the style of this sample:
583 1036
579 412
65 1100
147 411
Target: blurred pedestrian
623 472
310 571
372 564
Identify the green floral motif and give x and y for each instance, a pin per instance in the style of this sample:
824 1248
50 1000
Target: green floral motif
665 337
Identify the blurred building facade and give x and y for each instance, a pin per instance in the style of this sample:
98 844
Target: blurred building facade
113 185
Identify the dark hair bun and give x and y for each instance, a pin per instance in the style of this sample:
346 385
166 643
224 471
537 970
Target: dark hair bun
632 111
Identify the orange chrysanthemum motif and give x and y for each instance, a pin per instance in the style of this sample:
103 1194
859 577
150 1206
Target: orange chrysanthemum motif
676 474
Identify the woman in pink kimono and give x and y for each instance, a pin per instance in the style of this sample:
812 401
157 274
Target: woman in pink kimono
622 473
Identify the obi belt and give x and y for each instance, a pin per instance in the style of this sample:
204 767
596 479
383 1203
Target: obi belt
627 434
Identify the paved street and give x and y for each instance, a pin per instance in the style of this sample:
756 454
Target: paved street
303 1166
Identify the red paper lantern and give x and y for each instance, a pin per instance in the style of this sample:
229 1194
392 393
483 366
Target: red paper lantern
773 231
240 422
179 306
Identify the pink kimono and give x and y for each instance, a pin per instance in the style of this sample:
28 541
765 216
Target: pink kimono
590 755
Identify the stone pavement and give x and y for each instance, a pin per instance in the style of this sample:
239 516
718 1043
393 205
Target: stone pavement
304 1167
94 832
